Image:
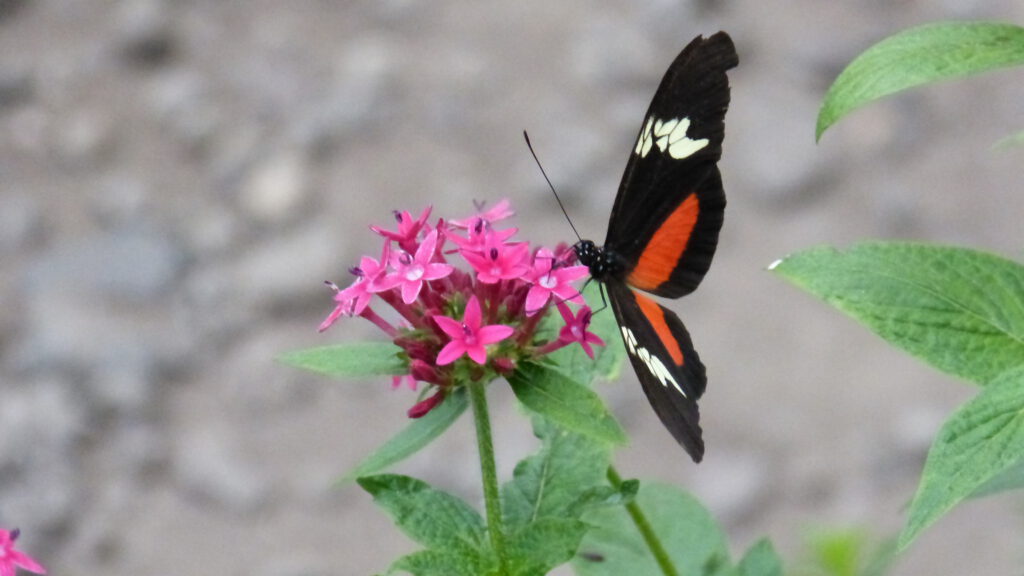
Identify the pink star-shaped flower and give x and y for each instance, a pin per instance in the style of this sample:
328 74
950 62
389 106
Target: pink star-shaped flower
370 279
469 337
498 260
411 271
499 211
575 329
11 559
479 235
548 277
408 228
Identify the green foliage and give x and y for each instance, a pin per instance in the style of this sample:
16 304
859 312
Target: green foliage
350 360
982 440
696 544
551 482
921 55
552 394
960 310
848 552
430 517
543 505
760 560
417 435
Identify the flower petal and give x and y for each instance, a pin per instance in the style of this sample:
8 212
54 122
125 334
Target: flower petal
410 290
436 271
493 333
25 561
425 253
451 352
536 298
478 353
450 326
473 315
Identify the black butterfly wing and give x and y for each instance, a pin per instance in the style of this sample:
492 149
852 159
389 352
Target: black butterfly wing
670 203
662 354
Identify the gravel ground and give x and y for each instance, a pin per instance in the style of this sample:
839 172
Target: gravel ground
180 176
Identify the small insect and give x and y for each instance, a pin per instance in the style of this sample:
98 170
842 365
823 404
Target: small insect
663 230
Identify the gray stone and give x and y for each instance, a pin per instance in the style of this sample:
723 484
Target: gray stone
208 466
276 189
20 222
15 86
145 31
137 265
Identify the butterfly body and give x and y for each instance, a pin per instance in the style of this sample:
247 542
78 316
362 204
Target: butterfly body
663 230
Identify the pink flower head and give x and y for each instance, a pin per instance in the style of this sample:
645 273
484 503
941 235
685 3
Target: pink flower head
469 337
549 277
11 559
411 271
498 260
370 279
499 211
575 329
408 229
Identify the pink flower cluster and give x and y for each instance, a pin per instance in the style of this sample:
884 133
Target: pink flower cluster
453 324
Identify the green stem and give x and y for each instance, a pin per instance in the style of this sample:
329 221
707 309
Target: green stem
488 471
644 527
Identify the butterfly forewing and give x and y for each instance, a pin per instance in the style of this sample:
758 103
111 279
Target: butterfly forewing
674 160
664 360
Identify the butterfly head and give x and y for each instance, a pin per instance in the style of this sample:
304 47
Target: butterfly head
602 263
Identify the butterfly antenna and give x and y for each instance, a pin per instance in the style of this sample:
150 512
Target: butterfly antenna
548 180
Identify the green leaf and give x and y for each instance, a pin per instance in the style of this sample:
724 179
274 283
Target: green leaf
550 482
418 434
613 547
761 560
431 517
351 360
537 548
445 563
601 496
551 394
917 56
962 311
1010 479
984 438
849 551
838 551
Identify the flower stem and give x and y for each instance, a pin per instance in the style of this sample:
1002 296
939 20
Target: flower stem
488 471
645 529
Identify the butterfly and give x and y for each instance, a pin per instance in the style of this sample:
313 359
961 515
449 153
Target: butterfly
663 230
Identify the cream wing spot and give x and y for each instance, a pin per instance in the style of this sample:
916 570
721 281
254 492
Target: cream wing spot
643 143
670 137
654 364
680 145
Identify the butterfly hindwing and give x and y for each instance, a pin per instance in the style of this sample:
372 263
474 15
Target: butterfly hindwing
670 203
662 354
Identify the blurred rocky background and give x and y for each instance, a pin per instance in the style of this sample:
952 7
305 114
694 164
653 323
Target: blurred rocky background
178 177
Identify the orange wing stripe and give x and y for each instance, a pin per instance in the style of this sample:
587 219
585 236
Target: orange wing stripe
656 316
666 246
